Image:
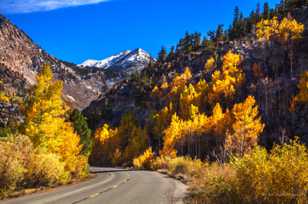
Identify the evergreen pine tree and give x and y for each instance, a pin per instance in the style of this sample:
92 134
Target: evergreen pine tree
81 127
266 11
162 56
171 54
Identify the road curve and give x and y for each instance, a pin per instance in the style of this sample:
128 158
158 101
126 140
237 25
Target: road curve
112 186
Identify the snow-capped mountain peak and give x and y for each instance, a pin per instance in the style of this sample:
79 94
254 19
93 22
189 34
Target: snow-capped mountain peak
127 60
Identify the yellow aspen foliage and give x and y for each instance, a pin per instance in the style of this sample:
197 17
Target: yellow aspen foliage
45 122
4 98
231 61
187 74
285 30
107 146
161 120
220 121
180 81
246 128
290 29
145 160
210 63
217 113
199 125
194 111
201 86
188 97
126 142
105 133
225 82
155 90
171 135
164 85
267 28
302 96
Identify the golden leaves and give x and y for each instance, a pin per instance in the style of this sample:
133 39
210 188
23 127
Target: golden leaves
4 98
246 128
285 30
225 82
303 88
180 81
105 133
45 122
144 160
210 63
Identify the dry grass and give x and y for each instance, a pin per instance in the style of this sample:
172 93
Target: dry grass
279 176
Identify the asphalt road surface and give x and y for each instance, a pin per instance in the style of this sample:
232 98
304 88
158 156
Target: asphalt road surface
112 186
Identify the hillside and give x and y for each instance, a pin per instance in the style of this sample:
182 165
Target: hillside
19 54
266 67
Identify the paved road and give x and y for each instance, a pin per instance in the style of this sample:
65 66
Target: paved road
112 186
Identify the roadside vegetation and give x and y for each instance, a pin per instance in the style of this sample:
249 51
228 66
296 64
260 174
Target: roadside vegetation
44 149
278 176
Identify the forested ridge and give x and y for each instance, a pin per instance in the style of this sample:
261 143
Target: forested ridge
261 58
225 112
214 108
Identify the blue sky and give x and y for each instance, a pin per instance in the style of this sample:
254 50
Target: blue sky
75 30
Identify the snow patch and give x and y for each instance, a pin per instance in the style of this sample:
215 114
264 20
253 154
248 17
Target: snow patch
70 98
136 58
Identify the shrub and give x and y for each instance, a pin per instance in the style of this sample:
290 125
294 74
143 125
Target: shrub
280 176
185 165
82 167
160 163
144 161
22 166
179 165
47 170
214 184
14 152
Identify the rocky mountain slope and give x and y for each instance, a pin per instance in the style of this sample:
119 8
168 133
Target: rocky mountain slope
19 55
272 85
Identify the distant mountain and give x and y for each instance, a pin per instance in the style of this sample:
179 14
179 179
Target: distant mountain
21 59
119 67
128 61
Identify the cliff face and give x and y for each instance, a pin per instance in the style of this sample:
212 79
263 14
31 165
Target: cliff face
11 83
20 55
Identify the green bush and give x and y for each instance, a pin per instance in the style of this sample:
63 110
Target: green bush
81 127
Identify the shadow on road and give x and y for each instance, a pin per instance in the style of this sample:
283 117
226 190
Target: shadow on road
98 170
